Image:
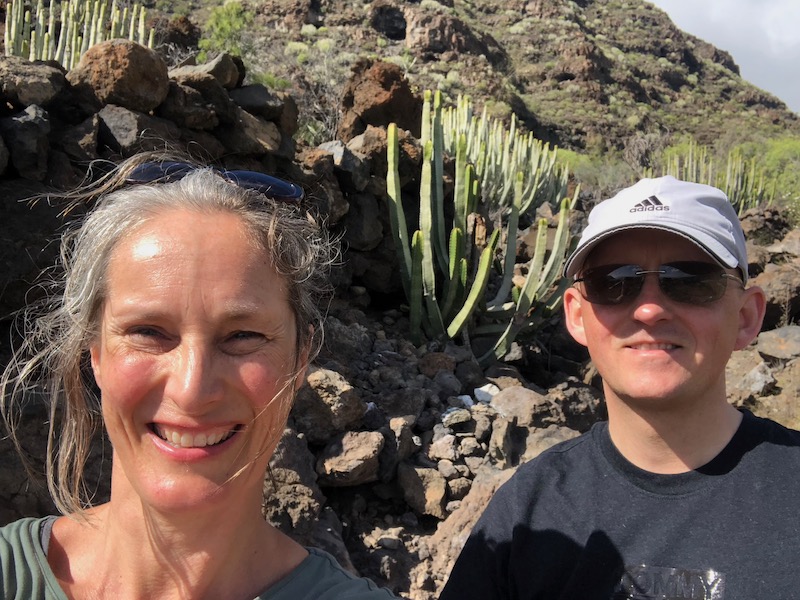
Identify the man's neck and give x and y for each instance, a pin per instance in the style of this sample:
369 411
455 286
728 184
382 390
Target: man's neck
675 440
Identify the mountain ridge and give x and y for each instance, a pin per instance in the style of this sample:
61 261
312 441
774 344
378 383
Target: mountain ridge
585 75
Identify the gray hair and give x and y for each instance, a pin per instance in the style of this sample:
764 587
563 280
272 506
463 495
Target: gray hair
53 358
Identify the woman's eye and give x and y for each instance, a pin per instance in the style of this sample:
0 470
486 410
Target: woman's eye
150 338
241 342
245 335
146 332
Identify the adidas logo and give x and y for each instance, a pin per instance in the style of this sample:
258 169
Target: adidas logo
649 204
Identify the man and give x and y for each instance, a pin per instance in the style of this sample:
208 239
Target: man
678 494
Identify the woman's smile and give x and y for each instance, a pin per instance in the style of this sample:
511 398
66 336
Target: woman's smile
186 439
196 358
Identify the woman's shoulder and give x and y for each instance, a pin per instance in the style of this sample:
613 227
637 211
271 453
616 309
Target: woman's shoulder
23 560
320 577
23 536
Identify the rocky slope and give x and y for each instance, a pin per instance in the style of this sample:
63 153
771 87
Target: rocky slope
585 74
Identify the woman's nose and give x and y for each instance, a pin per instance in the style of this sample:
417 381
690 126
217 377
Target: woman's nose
193 381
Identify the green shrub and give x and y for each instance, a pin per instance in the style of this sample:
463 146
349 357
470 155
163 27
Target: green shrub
295 48
781 163
227 30
602 174
270 81
325 45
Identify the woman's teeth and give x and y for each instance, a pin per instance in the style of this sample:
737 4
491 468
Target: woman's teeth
188 440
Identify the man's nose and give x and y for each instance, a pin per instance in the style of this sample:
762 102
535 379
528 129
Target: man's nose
651 304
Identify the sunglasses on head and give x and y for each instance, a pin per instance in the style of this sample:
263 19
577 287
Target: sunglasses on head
169 171
688 282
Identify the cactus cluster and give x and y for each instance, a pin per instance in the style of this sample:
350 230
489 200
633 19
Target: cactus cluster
446 267
742 180
63 32
499 153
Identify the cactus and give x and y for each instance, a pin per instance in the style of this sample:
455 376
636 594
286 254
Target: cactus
511 237
397 217
499 154
415 301
44 35
460 270
742 180
478 287
539 281
426 223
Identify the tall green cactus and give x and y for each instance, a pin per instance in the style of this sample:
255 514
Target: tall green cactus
742 180
397 216
499 154
445 281
531 306
63 32
418 266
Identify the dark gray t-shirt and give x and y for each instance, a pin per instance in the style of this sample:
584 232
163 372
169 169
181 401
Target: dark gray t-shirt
580 522
26 575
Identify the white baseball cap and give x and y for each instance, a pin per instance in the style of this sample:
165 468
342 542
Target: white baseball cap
700 213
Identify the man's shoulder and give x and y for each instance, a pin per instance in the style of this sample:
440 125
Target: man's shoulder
559 475
562 458
573 446
770 434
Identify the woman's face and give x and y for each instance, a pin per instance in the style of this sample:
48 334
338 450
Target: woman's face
195 361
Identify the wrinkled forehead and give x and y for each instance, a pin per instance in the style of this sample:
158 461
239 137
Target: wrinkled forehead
646 247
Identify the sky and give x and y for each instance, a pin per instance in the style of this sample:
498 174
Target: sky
763 36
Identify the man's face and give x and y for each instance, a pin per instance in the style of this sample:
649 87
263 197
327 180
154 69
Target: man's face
654 351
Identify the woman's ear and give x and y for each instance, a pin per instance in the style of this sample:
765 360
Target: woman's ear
94 355
303 354
573 314
751 316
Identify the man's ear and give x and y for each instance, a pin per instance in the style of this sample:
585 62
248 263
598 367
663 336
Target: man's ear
573 314
751 316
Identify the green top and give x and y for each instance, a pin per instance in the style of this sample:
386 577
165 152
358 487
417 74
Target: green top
26 575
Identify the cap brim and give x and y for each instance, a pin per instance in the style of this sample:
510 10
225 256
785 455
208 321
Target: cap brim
698 237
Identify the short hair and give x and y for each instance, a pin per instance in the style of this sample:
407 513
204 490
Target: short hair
53 356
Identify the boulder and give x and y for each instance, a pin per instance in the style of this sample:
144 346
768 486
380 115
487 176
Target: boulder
327 405
782 343
377 94
224 68
122 72
27 136
23 83
350 459
128 132
424 489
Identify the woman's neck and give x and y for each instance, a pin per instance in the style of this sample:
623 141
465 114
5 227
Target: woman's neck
126 553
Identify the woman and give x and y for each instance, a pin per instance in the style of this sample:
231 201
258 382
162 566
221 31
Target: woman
191 303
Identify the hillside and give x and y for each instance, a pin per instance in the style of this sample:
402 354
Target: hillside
584 74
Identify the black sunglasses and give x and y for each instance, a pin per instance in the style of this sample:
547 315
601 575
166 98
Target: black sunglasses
688 282
169 171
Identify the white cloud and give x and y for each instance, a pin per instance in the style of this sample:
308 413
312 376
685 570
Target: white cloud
780 22
763 36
